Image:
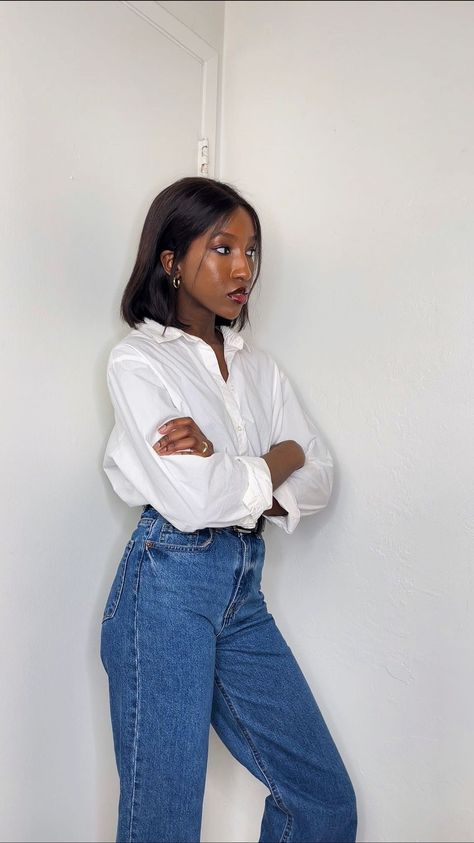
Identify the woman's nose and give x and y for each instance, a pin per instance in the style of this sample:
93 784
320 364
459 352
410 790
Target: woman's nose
242 268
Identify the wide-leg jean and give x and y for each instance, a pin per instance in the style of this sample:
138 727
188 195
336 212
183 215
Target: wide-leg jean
187 641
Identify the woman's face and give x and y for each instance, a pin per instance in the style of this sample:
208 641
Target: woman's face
216 265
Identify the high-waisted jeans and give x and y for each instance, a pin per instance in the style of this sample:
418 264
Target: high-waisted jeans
187 641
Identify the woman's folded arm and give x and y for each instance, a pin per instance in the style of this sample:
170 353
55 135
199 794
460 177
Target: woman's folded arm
190 491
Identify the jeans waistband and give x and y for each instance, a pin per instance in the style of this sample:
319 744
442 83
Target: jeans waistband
257 530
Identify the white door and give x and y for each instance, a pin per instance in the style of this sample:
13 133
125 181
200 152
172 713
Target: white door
99 110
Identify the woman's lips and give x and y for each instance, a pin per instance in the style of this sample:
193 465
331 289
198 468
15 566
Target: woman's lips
239 297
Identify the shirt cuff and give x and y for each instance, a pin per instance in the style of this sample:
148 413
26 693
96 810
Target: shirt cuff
287 500
259 494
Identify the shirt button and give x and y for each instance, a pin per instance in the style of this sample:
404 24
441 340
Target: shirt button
239 427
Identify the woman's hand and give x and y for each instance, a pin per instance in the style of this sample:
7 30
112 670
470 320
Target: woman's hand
182 436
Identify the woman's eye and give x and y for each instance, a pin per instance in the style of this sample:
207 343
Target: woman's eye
253 249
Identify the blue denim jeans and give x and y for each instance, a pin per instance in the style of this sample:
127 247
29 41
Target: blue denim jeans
187 641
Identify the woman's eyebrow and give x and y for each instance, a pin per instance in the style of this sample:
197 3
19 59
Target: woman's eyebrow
234 236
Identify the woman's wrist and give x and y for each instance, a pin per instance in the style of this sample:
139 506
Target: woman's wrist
283 459
276 509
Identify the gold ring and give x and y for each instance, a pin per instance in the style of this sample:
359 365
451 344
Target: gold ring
206 447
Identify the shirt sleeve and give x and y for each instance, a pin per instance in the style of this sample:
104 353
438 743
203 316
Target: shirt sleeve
309 488
190 491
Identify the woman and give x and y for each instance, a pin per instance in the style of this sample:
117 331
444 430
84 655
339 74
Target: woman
211 440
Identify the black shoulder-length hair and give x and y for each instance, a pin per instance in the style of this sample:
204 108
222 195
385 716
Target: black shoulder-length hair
181 212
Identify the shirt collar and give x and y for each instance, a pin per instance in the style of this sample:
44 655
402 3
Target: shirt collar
155 330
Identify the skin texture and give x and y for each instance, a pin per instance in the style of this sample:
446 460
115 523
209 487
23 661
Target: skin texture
212 268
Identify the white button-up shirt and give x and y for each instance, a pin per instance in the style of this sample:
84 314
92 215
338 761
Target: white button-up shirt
153 378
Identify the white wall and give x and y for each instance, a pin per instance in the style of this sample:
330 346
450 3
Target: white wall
350 126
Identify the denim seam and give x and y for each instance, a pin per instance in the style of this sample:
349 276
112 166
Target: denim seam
285 838
191 547
137 711
112 606
235 593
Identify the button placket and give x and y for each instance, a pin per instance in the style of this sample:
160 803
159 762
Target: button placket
237 421
228 392
212 364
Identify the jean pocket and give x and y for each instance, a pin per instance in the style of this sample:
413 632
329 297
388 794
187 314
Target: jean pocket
116 588
170 538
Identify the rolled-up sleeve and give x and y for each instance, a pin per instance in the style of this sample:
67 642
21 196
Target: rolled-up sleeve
190 491
308 489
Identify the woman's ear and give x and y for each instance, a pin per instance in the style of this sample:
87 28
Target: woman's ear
166 258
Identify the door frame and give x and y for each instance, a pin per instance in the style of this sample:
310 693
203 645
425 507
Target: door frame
208 57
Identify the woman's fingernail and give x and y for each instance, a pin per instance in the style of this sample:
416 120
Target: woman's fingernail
163 427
